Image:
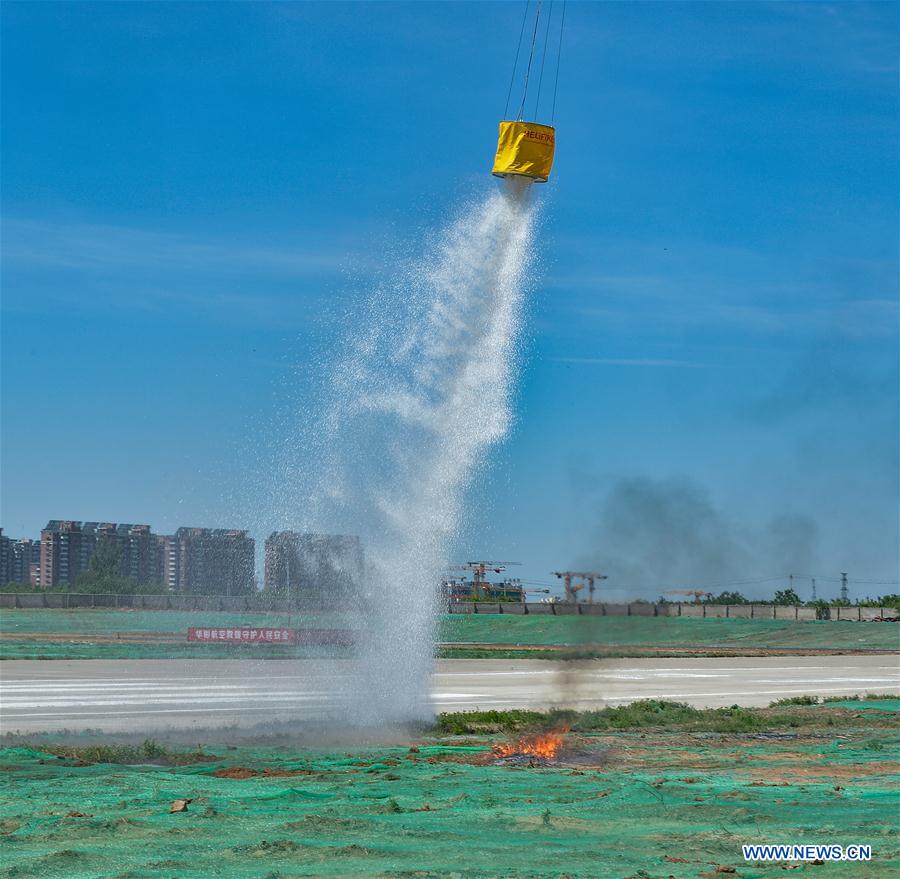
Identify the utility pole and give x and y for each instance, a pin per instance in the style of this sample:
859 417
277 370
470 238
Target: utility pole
791 582
844 586
814 589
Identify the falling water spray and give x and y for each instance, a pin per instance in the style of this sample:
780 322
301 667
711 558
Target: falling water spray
422 390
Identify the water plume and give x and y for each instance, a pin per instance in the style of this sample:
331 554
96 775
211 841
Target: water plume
422 389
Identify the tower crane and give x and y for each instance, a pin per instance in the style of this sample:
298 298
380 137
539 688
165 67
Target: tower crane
479 572
572 589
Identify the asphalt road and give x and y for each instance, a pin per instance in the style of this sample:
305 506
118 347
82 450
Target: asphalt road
154 694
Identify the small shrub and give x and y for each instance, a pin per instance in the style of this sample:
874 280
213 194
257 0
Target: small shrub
149 751
795 700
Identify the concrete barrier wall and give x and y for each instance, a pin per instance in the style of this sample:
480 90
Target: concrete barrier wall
482 607
639 609
565 609
462 607
266 604
512 607
846 613
763 611
615 610
263 603
592 610
692 610
538 607
739 611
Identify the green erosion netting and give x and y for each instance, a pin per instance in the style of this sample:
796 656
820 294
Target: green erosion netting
67 634
667 631
635 805
863 704
32 634
109 622
85 650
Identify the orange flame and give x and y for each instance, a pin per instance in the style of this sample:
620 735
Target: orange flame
546 745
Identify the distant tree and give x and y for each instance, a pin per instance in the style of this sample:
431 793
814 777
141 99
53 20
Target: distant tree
787 597
157 588
16 587
726 598
103 572
821 606
890 600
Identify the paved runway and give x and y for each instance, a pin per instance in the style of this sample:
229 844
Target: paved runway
151 694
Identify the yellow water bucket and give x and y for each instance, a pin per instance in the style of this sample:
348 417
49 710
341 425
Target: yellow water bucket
525 149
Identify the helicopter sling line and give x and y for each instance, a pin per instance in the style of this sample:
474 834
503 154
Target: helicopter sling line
525 148
531 20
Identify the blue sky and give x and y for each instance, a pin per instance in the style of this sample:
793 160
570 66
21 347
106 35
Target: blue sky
193 192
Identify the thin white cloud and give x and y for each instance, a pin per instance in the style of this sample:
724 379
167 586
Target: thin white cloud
226 279
99 247
623 284
628 361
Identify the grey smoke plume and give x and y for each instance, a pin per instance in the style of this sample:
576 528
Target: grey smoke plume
654 534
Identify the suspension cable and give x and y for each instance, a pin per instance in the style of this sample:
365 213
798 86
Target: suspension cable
558 55
537 19
512 78
537 102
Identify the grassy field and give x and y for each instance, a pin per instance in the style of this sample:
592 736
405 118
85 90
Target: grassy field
33 634
650 791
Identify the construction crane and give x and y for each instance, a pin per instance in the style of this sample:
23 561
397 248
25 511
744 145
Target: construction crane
479 572
697 593
572 589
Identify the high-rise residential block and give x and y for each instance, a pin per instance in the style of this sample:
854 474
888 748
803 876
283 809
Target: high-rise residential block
313 565
67 546
208 561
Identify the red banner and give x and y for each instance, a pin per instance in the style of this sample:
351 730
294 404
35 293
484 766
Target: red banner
242 635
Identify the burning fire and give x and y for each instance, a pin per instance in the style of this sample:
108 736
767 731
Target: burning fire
545 745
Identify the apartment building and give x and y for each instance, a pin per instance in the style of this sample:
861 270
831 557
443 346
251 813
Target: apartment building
313 565
208 561
67 546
